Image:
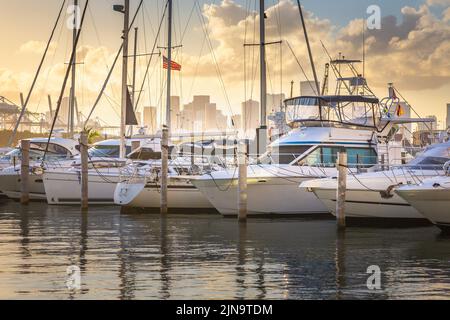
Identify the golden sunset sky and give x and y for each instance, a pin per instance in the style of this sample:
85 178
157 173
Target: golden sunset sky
412 49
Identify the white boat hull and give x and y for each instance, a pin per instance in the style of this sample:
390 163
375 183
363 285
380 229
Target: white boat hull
369 204
64 188
10 186
266 196
431 200
141 195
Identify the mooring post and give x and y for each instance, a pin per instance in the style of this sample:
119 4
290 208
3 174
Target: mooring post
25 172
84 171
135 145
341 189
164 169
242 182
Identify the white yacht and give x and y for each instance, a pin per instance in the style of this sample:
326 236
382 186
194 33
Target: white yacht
431 198
60 154
322 127
372 195
63 185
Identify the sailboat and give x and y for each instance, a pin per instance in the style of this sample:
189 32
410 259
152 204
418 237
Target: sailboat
144 188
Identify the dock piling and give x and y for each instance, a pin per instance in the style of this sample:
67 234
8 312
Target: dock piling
25 172
84 171
164 169
242 182
341 189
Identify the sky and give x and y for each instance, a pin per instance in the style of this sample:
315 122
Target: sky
411 50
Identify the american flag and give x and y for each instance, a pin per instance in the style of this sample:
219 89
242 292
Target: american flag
174 66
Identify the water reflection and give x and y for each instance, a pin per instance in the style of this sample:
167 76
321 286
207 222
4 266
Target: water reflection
198 256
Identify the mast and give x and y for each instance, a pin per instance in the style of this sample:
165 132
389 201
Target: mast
124 78
73 81
133 96
261 134
166 127
309 47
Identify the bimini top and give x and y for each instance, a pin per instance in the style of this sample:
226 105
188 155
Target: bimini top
336 110
337 99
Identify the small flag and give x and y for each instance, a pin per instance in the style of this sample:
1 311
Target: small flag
400 111
173 66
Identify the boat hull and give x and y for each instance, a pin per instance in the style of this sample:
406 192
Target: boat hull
141 195
64 188
434 204
10 186
265 196
369 204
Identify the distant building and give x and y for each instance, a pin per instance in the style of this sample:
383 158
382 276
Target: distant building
237 122
150 117
428 126
406 129
275 102
250 117
308 88
448 116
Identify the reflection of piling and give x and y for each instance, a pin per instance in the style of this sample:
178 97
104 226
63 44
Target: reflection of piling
242 182
164 169
25 172
84 171
341 189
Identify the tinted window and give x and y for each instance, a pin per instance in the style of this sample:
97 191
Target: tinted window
284 154
327 157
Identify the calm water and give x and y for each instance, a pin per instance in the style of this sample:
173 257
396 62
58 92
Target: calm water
207 257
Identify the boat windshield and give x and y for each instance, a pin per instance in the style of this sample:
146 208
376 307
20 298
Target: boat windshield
283 154
346 110
326 156
432 158
37 151
106 151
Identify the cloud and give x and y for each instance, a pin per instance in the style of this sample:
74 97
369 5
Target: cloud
438 2
412 51
37 47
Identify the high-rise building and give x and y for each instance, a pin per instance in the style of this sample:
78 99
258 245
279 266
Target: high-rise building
200 103
210 119
428 126
406 129
448 116
308 88
275 102
250 117
150 117
174 113
221 121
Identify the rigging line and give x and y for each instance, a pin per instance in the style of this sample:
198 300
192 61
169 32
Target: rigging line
205 30
153 49
414 110
105 84
303 71
24 107
69 68
188 21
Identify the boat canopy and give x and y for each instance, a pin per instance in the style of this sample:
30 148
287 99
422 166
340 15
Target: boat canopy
344 110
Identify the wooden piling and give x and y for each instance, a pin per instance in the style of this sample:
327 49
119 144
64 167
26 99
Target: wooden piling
242 182
84 171
25 172
341 189
164 169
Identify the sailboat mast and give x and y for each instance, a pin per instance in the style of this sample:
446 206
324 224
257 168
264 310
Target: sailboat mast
133 96
262 131
124 78
166 127
73 81
169 64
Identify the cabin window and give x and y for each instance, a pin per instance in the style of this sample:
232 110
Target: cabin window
327 157
283 154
